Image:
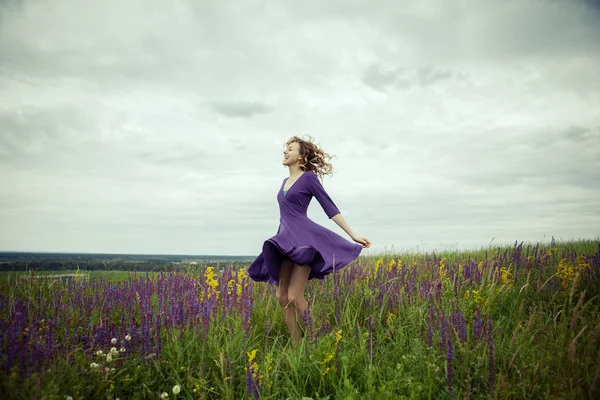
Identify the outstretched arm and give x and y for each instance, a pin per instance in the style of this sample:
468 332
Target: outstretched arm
339 219
333 212
344 225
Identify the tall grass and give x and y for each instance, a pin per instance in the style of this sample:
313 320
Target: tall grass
509 322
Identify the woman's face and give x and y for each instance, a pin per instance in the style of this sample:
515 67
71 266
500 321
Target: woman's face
291 154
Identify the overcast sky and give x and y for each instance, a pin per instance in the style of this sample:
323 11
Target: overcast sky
156 126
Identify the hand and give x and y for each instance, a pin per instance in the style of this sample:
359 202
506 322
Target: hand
361 240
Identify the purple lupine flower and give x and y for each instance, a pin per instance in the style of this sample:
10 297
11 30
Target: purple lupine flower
490 344
338 311
307 320
430 328
443 333
267 332
370 337
380 294
252 385
158 336
449 359
248 305
477 324
206 311
462 328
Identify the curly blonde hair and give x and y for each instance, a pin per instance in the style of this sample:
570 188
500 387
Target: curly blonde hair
312 157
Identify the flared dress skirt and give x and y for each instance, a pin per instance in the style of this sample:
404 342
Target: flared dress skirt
300 239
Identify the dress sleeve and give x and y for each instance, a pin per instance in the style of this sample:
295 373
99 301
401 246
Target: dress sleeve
317 190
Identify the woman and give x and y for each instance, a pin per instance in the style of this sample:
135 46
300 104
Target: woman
302 249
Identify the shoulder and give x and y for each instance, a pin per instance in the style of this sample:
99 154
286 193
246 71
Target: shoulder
311 174
313 179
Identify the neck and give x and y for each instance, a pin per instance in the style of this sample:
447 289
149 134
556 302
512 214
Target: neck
295 171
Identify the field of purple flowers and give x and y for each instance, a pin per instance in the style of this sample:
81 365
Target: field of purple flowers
521 321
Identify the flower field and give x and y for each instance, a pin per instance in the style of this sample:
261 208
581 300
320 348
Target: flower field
520 321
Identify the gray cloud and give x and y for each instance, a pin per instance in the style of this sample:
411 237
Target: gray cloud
240 109
159 128
382 79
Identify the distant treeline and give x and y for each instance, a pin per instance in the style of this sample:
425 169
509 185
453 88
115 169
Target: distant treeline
112 262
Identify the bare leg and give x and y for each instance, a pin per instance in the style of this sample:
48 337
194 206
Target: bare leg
296 303
281 292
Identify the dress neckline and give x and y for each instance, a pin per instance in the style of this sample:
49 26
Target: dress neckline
296 181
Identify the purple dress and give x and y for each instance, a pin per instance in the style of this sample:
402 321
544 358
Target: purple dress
301 240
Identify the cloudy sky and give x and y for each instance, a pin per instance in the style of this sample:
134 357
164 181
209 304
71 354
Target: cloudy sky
156 126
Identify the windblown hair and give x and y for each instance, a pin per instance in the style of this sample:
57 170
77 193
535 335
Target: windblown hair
313 158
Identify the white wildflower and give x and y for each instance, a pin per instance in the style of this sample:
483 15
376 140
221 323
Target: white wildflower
176 389
68 397
99 353
113 340
128 338
122 350
108 358
94 365
164 395
113 350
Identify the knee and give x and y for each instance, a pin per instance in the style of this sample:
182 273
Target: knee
282 298
293 301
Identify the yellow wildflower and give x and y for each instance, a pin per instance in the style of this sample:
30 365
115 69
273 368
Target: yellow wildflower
442 268
582 264
331 354
477 299
328 358
268 363
480 266
391 265
338 336
230 286
391 318
252 363
251 355
211 281
566 272
377 265
241 276
505 275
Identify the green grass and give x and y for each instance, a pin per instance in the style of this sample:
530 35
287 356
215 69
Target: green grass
544 342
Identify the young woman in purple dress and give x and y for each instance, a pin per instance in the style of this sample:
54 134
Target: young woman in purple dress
302 249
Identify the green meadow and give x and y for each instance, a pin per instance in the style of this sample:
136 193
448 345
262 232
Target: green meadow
508 322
